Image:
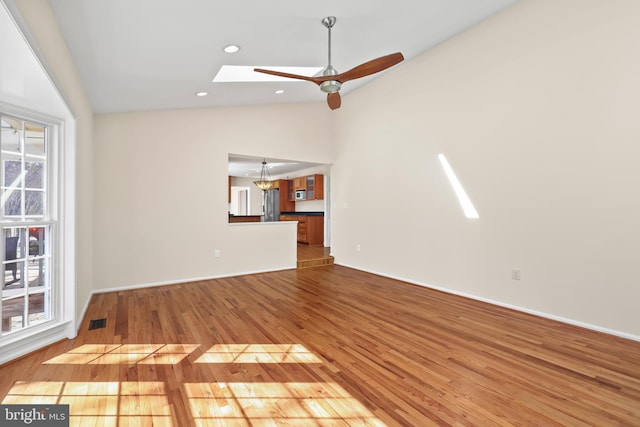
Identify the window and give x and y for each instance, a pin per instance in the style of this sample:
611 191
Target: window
26 223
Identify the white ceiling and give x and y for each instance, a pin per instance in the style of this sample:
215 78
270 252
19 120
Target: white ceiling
251 167
156 54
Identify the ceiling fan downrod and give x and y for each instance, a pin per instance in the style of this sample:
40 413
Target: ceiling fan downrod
329 86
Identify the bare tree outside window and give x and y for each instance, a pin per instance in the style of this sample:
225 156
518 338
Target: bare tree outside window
28 182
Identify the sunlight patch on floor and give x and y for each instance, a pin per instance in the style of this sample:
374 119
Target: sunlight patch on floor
237 403
258 353
100 403
112 354
272 403
146 403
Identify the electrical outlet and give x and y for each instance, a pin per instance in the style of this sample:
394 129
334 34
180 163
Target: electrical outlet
515 274
358 247
216 253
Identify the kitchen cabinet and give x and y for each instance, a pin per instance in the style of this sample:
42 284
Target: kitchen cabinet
292 193
302 230
286 204
300 183
310 228
315 187
312 184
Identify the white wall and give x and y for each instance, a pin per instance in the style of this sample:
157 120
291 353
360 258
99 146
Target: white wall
537 111
162 206
23 81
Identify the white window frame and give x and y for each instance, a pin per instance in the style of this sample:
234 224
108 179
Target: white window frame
61 182
49 220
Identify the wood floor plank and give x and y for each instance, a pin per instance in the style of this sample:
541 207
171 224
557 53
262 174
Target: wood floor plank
326 346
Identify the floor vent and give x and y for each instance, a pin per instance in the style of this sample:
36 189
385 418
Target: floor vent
97 323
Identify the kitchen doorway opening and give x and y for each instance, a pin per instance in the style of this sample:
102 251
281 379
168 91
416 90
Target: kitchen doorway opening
240 201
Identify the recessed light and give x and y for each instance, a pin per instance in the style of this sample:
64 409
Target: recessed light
203 93
279 91
232 48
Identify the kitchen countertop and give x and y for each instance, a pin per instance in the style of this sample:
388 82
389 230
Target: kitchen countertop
245 218
302 213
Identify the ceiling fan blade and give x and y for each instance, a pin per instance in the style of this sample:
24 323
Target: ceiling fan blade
334 100
370 67
316 80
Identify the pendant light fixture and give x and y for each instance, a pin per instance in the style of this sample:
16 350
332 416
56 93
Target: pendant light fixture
265 182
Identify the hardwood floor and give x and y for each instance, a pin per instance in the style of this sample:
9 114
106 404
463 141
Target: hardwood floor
313 256
326 346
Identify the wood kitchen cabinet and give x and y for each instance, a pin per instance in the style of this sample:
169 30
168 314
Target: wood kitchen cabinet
312 184
302 230
315 230
315 187
286 202
292 192
310 228
300 183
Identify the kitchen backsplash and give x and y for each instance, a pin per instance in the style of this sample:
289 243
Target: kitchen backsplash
310 206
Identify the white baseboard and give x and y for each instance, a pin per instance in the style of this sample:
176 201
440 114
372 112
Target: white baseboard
505 305
83 313
179 281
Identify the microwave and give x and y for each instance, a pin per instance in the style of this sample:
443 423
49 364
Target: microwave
301 195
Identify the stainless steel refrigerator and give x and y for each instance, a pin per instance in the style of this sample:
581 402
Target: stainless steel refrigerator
272 205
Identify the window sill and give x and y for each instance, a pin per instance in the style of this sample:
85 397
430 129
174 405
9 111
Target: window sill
18 344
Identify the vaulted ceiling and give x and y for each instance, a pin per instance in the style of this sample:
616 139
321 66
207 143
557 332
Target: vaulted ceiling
157 54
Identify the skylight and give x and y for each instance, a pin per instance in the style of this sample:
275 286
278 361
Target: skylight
245 73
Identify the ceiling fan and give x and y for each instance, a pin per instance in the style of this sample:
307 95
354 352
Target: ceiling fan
330 81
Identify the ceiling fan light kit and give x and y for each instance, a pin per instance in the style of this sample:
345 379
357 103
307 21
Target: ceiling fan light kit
331 81
330 86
